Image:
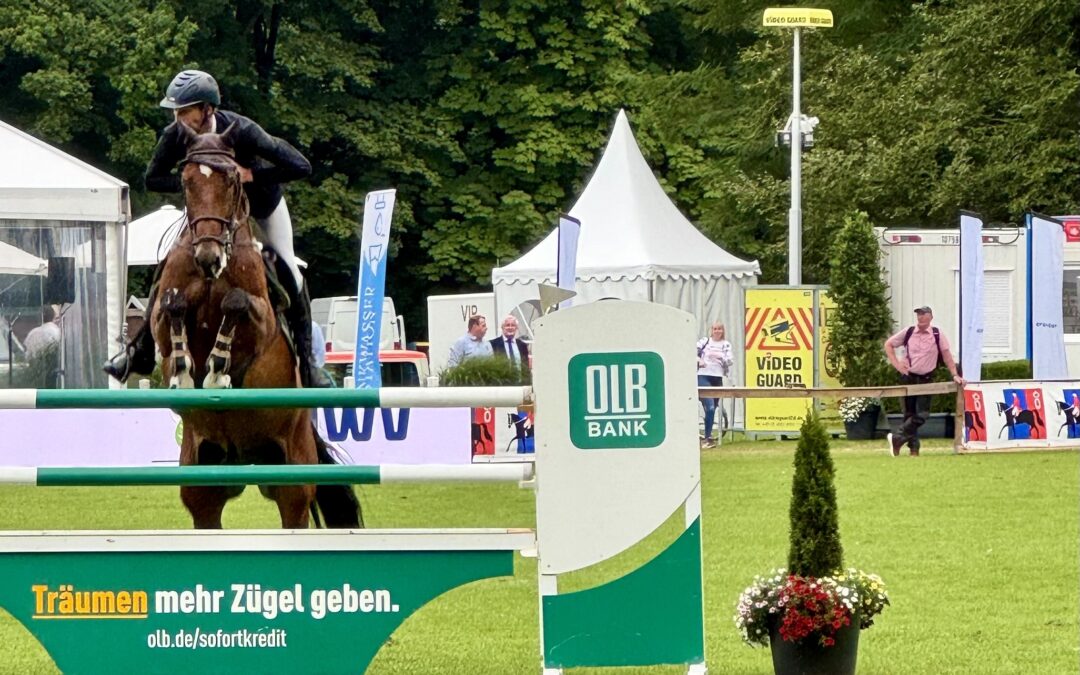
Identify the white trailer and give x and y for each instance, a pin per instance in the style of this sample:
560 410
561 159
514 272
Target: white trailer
337 318
448 319
1071 293
922 267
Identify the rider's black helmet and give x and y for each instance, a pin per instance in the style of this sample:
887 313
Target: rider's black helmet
190 87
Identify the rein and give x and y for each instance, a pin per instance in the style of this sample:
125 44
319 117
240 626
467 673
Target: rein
227 165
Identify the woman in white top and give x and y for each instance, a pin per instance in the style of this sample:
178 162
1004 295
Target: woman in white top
714 364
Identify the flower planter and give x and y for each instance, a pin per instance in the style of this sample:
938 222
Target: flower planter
863 429
807 657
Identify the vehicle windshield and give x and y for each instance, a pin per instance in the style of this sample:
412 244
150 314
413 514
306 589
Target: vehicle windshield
394 373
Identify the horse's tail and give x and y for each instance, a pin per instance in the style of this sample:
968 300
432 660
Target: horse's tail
338 503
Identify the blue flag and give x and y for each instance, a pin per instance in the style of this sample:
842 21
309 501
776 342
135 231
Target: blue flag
374 250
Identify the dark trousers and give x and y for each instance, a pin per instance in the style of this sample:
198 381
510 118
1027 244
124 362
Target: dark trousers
916 410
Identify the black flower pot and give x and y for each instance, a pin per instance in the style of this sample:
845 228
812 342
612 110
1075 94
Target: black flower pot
864 427
808 657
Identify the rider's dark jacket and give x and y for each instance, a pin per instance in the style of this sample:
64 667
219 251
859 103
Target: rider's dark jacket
271 160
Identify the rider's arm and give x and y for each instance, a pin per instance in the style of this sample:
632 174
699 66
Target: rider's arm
160 176
285 162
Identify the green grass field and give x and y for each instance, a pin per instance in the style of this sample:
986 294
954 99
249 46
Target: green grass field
979 552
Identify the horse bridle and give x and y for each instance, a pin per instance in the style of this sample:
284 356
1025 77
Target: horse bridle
224 161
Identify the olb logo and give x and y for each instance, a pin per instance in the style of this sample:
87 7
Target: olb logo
616 400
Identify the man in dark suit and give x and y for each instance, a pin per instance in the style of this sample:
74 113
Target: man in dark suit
508 346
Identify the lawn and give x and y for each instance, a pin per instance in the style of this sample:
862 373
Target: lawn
980 554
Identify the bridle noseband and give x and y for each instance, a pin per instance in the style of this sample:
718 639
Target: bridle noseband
223 160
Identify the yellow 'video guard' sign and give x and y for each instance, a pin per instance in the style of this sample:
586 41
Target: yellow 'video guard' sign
779 353
798 17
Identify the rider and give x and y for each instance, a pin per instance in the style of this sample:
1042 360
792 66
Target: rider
265 162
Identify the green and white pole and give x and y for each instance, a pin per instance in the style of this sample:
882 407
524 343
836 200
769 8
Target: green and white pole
264 474
234 399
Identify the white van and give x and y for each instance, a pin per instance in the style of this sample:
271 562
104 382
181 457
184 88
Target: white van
337 318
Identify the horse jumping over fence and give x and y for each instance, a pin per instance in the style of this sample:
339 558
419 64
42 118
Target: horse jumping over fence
216 327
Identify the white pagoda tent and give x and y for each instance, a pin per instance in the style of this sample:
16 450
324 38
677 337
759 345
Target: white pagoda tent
636 245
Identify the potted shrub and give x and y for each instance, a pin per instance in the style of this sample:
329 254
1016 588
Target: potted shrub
862 321
810 613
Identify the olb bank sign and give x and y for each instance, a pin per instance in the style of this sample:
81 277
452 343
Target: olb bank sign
616 400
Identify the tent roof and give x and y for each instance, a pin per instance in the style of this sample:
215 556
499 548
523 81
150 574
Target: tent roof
40 182
151 236
14 260
630 228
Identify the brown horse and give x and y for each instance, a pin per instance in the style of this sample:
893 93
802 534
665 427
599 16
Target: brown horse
216 328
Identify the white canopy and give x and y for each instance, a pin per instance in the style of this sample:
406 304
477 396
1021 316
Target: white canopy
14 260
40 182
151 237
636 245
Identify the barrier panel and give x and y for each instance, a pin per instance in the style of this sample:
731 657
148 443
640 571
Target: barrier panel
617 457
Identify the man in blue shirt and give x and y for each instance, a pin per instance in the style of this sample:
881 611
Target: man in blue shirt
472 344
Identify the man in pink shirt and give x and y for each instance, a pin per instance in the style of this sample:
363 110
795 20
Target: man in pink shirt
924 345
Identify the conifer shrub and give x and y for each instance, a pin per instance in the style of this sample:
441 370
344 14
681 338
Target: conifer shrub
815 549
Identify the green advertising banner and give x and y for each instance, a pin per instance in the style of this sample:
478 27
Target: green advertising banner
227 611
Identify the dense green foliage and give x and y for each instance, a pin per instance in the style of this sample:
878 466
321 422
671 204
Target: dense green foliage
862 319
487 116
815 549
485 372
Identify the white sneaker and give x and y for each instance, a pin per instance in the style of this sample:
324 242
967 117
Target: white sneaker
894 449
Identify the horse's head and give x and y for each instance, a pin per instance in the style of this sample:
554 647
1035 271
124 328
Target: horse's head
214 195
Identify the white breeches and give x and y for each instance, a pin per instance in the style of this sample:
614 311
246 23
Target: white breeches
278 230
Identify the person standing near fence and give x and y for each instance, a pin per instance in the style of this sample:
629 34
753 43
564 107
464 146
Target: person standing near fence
927 348
714 361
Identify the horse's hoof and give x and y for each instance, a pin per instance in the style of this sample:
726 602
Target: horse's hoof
217 381
184 381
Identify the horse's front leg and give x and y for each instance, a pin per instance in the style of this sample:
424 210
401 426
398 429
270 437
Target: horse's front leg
175 306
235 306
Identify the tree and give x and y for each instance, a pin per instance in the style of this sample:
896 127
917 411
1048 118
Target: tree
862 319
815 549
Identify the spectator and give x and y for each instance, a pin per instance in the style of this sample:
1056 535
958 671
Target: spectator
714 361
42 346
927 348
471 344
40 340
509 346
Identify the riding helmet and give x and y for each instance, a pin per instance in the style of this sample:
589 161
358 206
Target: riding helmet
190 87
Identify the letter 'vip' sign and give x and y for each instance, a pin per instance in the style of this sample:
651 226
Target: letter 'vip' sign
616 400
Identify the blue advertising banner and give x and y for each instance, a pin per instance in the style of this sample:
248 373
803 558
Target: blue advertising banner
374 250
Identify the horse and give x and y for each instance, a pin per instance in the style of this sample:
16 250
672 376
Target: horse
215 327
1012 418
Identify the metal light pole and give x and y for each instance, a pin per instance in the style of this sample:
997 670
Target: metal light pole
796 18
795 215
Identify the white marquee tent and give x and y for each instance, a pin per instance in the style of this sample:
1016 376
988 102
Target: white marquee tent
51 204
636 245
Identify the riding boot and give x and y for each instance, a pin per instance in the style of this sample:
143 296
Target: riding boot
299 317
139 354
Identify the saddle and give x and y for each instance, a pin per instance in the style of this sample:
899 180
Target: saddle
280 298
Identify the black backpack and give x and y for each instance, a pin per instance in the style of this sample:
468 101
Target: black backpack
937 341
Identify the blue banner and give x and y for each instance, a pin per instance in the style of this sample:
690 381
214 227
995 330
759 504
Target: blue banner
374 250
